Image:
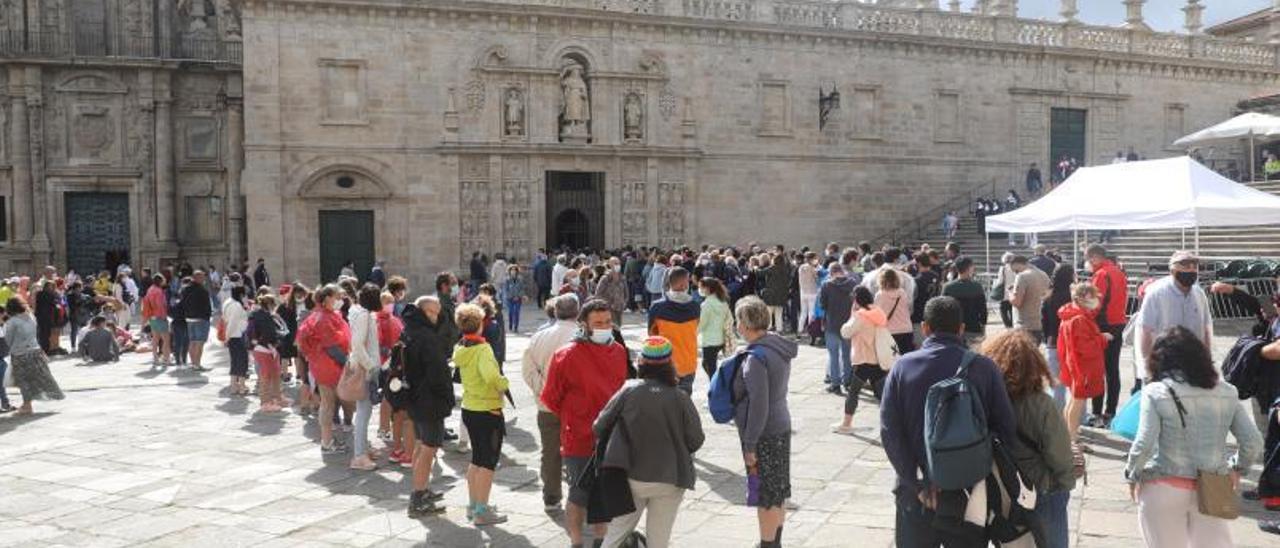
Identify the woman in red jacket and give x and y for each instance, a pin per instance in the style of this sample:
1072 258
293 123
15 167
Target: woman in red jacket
325 339
1080 350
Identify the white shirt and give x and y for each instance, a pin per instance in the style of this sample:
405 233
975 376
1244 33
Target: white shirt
364 337
537 357
557 277
498 273
1166 306
235 317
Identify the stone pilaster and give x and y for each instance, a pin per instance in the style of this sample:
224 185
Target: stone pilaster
1133 15
1274 22
1068 10
235 165
1193 10
20 156
166 196
41 204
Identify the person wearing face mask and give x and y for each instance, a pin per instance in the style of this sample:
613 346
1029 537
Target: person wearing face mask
1173 301
1080 353
446 292
1113 293
580 380
325 339
675 317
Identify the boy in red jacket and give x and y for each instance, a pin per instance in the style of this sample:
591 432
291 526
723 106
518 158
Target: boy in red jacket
1080 350
580 380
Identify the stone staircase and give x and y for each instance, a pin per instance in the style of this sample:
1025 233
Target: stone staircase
1138 250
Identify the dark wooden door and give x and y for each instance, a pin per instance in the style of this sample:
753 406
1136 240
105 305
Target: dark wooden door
345 235
1067 135
575 209
97 225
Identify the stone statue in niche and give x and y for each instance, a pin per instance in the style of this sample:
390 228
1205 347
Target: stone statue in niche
575 105
513 113
828 103
633 117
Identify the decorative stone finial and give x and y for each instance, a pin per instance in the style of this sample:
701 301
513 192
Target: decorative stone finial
1193 9
1068 11
954 6
1133 15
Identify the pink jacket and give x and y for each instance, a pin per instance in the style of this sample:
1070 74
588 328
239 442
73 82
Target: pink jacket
861 330
900 319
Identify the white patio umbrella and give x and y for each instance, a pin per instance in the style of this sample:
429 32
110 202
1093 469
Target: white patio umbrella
1249 125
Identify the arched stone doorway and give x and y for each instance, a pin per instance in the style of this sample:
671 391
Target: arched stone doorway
572 228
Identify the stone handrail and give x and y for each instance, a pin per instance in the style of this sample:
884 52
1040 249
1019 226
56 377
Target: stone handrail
856 16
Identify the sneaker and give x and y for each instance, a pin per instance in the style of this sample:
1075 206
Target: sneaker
471 511
487 515
395 455
433 496
405 460
199 369
363 462
6 408
335 447
840 428
450 435
552 507
385 436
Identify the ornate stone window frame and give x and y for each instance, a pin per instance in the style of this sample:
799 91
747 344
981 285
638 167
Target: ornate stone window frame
362 91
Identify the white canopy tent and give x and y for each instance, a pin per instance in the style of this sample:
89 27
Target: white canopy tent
1249 125
1154 194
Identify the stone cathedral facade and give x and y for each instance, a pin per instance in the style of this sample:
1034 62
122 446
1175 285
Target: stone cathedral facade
122 133
419 131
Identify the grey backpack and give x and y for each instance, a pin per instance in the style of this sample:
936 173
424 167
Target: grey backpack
957 439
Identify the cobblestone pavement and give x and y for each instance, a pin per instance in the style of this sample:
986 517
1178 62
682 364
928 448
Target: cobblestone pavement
156 457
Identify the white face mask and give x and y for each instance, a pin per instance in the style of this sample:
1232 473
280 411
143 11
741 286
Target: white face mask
601 336
335 305
679 296
573 282
1090 304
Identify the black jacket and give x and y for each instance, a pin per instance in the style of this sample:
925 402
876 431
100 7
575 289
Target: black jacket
265 330
195 303
426 365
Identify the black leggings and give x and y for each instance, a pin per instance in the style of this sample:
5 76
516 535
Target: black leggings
709 356
239 354
1006 314
486 431
906 342
863 374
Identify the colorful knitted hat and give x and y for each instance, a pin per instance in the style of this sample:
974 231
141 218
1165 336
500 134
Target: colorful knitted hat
656 350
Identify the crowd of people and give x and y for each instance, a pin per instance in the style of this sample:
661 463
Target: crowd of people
616 421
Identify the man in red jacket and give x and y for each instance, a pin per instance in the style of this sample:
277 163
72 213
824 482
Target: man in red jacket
1113 290
580 380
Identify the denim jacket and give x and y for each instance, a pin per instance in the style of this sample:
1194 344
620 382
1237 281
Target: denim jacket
1164 448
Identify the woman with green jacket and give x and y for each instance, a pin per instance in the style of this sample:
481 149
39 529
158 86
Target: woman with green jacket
715 323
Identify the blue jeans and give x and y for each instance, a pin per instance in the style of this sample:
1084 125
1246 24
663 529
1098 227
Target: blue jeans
4 396
360 439
1051 355
1052 510
839 361
513 313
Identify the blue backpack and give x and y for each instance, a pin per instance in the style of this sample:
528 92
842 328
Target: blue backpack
720 395
957 439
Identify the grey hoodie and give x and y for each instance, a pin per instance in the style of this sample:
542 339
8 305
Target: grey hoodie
761 408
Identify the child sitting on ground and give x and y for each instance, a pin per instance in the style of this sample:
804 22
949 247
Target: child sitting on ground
99 344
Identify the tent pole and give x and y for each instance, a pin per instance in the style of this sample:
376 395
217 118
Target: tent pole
1184 238
1197 240
1075 248
987 236
1252 155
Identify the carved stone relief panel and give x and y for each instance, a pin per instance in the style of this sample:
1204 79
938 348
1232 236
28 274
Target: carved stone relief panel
515 167
671 207
199 139
633 195
196 92
139 131
474 168
667 103
516 229
88 121
515 195
136 15
635 228
474 213
229 19
474 195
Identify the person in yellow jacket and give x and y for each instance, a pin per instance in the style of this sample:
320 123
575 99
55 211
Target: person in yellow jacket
482 388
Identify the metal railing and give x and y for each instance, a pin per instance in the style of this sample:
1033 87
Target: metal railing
88 43
917 227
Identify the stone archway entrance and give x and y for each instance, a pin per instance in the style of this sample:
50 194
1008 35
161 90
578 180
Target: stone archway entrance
575 209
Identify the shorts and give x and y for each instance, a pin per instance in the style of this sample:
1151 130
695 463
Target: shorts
773 459
429 431
268 363
574 467
198 331
486 430
159 326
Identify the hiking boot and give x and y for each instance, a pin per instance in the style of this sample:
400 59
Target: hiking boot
421 506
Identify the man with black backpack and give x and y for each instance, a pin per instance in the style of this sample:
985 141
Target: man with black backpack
904 417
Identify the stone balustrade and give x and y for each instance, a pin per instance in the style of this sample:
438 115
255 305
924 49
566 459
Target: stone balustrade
853 15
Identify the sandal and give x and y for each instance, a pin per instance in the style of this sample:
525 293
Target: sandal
1078 464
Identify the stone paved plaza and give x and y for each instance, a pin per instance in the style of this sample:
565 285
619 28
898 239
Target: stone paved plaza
154 457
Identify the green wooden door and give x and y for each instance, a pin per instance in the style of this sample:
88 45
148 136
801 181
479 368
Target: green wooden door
1067 135
345 235
97 230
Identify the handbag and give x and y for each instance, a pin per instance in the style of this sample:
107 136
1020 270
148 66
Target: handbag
353 386
1215 494
1125 423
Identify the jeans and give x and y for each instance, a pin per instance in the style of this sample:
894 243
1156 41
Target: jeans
1055 368
839 360
1171 517
685 383
360 440
709 355
4 395
513 314
180 342
1113 374
75 331
659 502
776 320
1052 509
551 471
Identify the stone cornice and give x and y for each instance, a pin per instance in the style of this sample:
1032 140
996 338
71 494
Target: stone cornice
497 16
